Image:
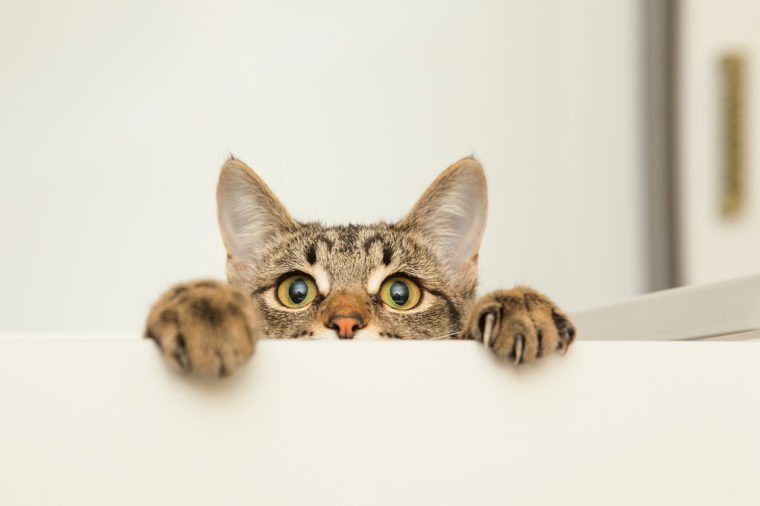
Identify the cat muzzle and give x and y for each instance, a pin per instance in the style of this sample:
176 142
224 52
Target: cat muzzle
346 325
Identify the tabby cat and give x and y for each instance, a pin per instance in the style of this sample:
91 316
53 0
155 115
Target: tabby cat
414 279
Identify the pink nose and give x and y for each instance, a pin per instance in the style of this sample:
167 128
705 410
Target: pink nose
345 325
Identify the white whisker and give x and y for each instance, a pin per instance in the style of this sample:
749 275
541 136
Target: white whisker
440 337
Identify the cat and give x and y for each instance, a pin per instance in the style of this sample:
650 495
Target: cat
414 279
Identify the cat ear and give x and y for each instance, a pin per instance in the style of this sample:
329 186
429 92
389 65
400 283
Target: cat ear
250 216
451 214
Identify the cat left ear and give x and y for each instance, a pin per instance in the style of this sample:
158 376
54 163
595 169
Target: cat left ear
251 218
451 214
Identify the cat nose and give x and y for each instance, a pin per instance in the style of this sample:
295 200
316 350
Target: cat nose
345 325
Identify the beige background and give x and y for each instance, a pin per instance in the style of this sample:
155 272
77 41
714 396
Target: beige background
116 116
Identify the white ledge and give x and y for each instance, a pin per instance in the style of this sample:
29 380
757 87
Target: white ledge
727 309
106 422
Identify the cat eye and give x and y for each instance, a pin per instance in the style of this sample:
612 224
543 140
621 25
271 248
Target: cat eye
400 292
297 291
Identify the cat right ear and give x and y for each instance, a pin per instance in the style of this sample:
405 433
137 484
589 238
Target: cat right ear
250 215
451 217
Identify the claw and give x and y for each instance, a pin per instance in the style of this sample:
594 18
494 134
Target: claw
488 329
563 347
180 353
519 347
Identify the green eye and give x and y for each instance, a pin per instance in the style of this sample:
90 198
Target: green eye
399 292
297 291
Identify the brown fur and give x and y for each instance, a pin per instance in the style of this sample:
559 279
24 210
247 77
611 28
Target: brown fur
525 314
205 327
210 328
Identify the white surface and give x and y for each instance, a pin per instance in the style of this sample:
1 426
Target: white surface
92 423
727 309
713 247
116 117
104 421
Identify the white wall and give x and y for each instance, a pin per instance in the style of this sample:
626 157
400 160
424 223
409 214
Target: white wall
714 246
116 117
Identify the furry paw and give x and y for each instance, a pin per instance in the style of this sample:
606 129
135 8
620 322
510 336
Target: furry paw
207 328
524 324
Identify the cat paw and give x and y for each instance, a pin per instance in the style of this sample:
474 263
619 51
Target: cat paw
206 328
524 325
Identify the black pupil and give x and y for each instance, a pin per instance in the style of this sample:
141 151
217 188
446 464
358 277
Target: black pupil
399 293
298 291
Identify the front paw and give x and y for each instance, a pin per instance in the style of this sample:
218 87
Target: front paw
207 328
522 324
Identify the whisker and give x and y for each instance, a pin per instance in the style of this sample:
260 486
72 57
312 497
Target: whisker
436 338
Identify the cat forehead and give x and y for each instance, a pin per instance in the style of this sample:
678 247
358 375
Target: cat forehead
353 239
354 247
350 253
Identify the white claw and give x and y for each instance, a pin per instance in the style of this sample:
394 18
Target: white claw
488 329
519 345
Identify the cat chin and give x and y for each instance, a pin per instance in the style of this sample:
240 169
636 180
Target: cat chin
368 334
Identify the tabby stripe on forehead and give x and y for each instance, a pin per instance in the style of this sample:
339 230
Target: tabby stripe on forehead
327 242
311 254
348 234
387 255
370 241
387 252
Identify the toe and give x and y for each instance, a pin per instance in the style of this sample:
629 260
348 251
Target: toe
565 329
547 334
477 325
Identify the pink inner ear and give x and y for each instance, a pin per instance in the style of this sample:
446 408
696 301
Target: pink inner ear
250 216
451 216
468 223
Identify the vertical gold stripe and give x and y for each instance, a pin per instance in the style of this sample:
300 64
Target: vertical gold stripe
733 74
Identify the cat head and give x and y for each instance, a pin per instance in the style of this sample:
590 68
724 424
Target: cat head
411 279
